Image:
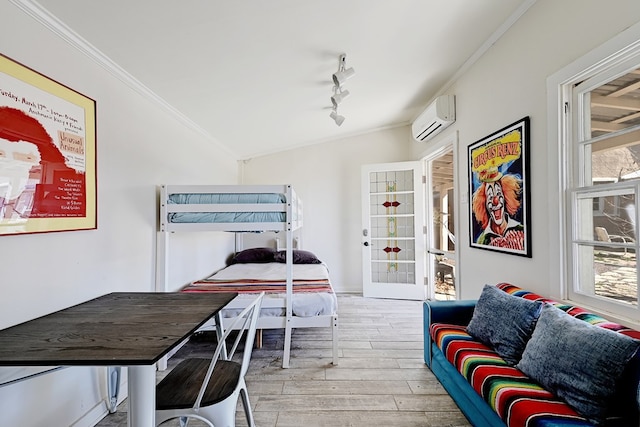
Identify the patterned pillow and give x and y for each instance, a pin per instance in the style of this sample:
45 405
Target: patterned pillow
503 322
577 361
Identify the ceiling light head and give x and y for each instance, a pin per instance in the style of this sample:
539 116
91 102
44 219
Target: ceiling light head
336 117
343 72
339 96
341 76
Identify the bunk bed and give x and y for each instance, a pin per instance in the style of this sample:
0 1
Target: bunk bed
248 208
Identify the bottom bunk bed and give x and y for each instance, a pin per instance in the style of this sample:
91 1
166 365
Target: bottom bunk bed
313 303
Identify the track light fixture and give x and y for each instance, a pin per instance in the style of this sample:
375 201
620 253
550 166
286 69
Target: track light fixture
336 117
339 94
343 73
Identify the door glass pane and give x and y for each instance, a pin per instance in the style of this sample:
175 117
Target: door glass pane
382 227
391 204
391 181
392 250
393 272
392 227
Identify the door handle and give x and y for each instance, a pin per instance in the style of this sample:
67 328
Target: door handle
366 243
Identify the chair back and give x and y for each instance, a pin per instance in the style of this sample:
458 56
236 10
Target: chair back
245 324
602 234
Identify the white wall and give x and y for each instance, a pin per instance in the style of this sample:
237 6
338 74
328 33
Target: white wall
327 178
139 146
506 84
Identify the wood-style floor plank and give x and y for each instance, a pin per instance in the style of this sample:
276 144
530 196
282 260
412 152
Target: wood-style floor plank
381 378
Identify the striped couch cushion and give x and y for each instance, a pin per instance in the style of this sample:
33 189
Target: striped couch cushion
518 400
572 310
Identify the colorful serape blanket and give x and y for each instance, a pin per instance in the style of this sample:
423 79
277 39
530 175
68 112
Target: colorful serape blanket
572 310
255 286
518 400
265 277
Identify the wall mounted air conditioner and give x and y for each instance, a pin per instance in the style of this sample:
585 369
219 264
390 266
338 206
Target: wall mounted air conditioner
435 118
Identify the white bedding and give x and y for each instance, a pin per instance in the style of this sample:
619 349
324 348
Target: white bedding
304 304
271 271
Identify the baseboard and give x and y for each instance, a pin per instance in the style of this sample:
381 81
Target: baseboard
100 410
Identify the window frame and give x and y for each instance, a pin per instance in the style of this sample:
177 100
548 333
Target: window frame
568 104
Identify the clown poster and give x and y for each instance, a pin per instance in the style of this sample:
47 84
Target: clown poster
499 191
47 154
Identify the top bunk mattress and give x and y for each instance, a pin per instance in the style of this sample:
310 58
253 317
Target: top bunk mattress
226 198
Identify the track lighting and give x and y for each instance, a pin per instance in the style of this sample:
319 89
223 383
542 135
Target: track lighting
342 74
336 118
339 94
338 97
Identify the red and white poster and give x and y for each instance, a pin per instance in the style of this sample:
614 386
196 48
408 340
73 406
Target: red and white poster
47 154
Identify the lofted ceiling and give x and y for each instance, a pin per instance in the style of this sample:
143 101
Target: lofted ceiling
255 76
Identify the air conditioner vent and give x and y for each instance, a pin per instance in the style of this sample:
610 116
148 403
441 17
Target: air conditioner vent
435 118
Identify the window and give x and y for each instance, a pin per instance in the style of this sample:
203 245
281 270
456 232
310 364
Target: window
601 133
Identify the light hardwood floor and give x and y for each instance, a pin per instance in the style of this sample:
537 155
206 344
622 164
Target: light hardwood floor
381 378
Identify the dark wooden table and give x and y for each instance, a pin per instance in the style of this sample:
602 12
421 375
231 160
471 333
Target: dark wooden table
117 329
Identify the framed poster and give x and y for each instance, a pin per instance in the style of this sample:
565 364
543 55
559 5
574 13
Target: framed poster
499 188
47 154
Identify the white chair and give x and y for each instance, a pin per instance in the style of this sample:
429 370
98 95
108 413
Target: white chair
208 389
603 236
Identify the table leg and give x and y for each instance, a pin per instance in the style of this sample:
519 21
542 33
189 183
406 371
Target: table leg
113 387
142 396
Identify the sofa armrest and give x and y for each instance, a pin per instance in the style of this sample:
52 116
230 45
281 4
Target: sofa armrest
454 312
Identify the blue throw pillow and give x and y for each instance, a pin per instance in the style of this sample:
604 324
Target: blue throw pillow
503 322
579 362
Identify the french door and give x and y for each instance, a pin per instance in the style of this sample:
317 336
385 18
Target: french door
393 251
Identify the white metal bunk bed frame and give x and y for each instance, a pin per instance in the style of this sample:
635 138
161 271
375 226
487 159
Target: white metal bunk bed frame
292 208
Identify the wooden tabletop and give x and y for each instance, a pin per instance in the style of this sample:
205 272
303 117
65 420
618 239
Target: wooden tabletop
120 329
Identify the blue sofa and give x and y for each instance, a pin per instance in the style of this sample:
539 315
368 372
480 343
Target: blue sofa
470 403
474 406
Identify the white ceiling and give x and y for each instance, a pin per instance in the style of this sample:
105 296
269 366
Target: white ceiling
255 75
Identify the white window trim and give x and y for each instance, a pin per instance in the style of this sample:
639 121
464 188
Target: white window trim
623 47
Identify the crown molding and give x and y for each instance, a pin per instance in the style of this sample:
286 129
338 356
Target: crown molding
59 28
493 38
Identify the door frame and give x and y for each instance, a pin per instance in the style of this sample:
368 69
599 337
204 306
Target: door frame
433 151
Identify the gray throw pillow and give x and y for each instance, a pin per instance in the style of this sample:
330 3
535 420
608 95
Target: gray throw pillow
579 362
503 322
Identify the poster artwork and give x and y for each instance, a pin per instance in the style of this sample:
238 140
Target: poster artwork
498 180
47 173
